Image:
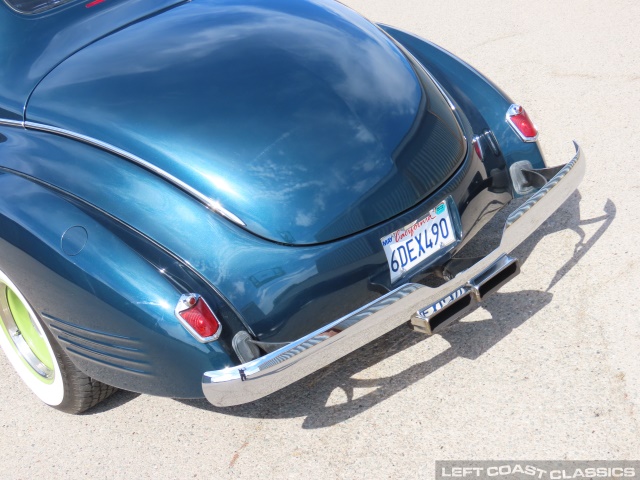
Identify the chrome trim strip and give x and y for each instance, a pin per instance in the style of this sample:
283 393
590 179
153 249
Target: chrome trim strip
206 201
41 9
11 123
435 82
265 375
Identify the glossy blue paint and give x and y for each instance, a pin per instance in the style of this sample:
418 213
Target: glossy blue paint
108 306
32 45
483 101
111 304
308 123
280 292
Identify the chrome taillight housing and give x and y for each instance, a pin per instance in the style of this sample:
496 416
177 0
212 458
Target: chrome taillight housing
198 318
521 123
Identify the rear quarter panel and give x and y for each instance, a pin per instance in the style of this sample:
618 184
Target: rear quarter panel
107 297
484 103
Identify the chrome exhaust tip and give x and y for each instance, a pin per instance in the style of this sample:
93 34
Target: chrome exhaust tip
440 315
495 276
434 318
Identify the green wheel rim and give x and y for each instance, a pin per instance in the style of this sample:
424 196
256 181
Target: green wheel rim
28 341
30 333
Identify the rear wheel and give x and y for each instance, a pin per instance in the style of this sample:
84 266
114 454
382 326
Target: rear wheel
40 362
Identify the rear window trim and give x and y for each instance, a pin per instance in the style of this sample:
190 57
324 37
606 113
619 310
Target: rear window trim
44 5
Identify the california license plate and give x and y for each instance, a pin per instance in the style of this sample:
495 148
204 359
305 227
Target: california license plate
415 243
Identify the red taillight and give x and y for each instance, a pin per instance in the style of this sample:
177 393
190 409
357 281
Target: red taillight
478 148
522 124
94 3
198 317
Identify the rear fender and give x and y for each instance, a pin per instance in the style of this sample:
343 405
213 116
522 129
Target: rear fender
109 307
484 104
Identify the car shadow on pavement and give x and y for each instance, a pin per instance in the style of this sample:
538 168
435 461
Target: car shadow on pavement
310 397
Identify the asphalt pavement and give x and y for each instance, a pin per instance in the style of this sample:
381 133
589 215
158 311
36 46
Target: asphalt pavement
549 369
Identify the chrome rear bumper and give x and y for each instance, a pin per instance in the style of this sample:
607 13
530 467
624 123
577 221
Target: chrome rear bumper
269 373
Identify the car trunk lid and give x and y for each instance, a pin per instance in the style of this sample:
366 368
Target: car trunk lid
302 119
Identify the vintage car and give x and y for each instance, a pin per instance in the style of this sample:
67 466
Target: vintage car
218 198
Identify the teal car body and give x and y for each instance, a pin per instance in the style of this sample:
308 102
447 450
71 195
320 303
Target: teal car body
252 152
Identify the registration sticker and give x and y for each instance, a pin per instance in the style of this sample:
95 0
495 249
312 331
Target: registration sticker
416 242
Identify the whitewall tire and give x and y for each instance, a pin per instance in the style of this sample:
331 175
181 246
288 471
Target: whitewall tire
39 360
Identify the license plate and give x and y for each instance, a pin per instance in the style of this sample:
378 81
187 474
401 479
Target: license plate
418 241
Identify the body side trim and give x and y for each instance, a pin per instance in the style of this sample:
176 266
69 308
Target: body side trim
137 232
11 123
206 201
